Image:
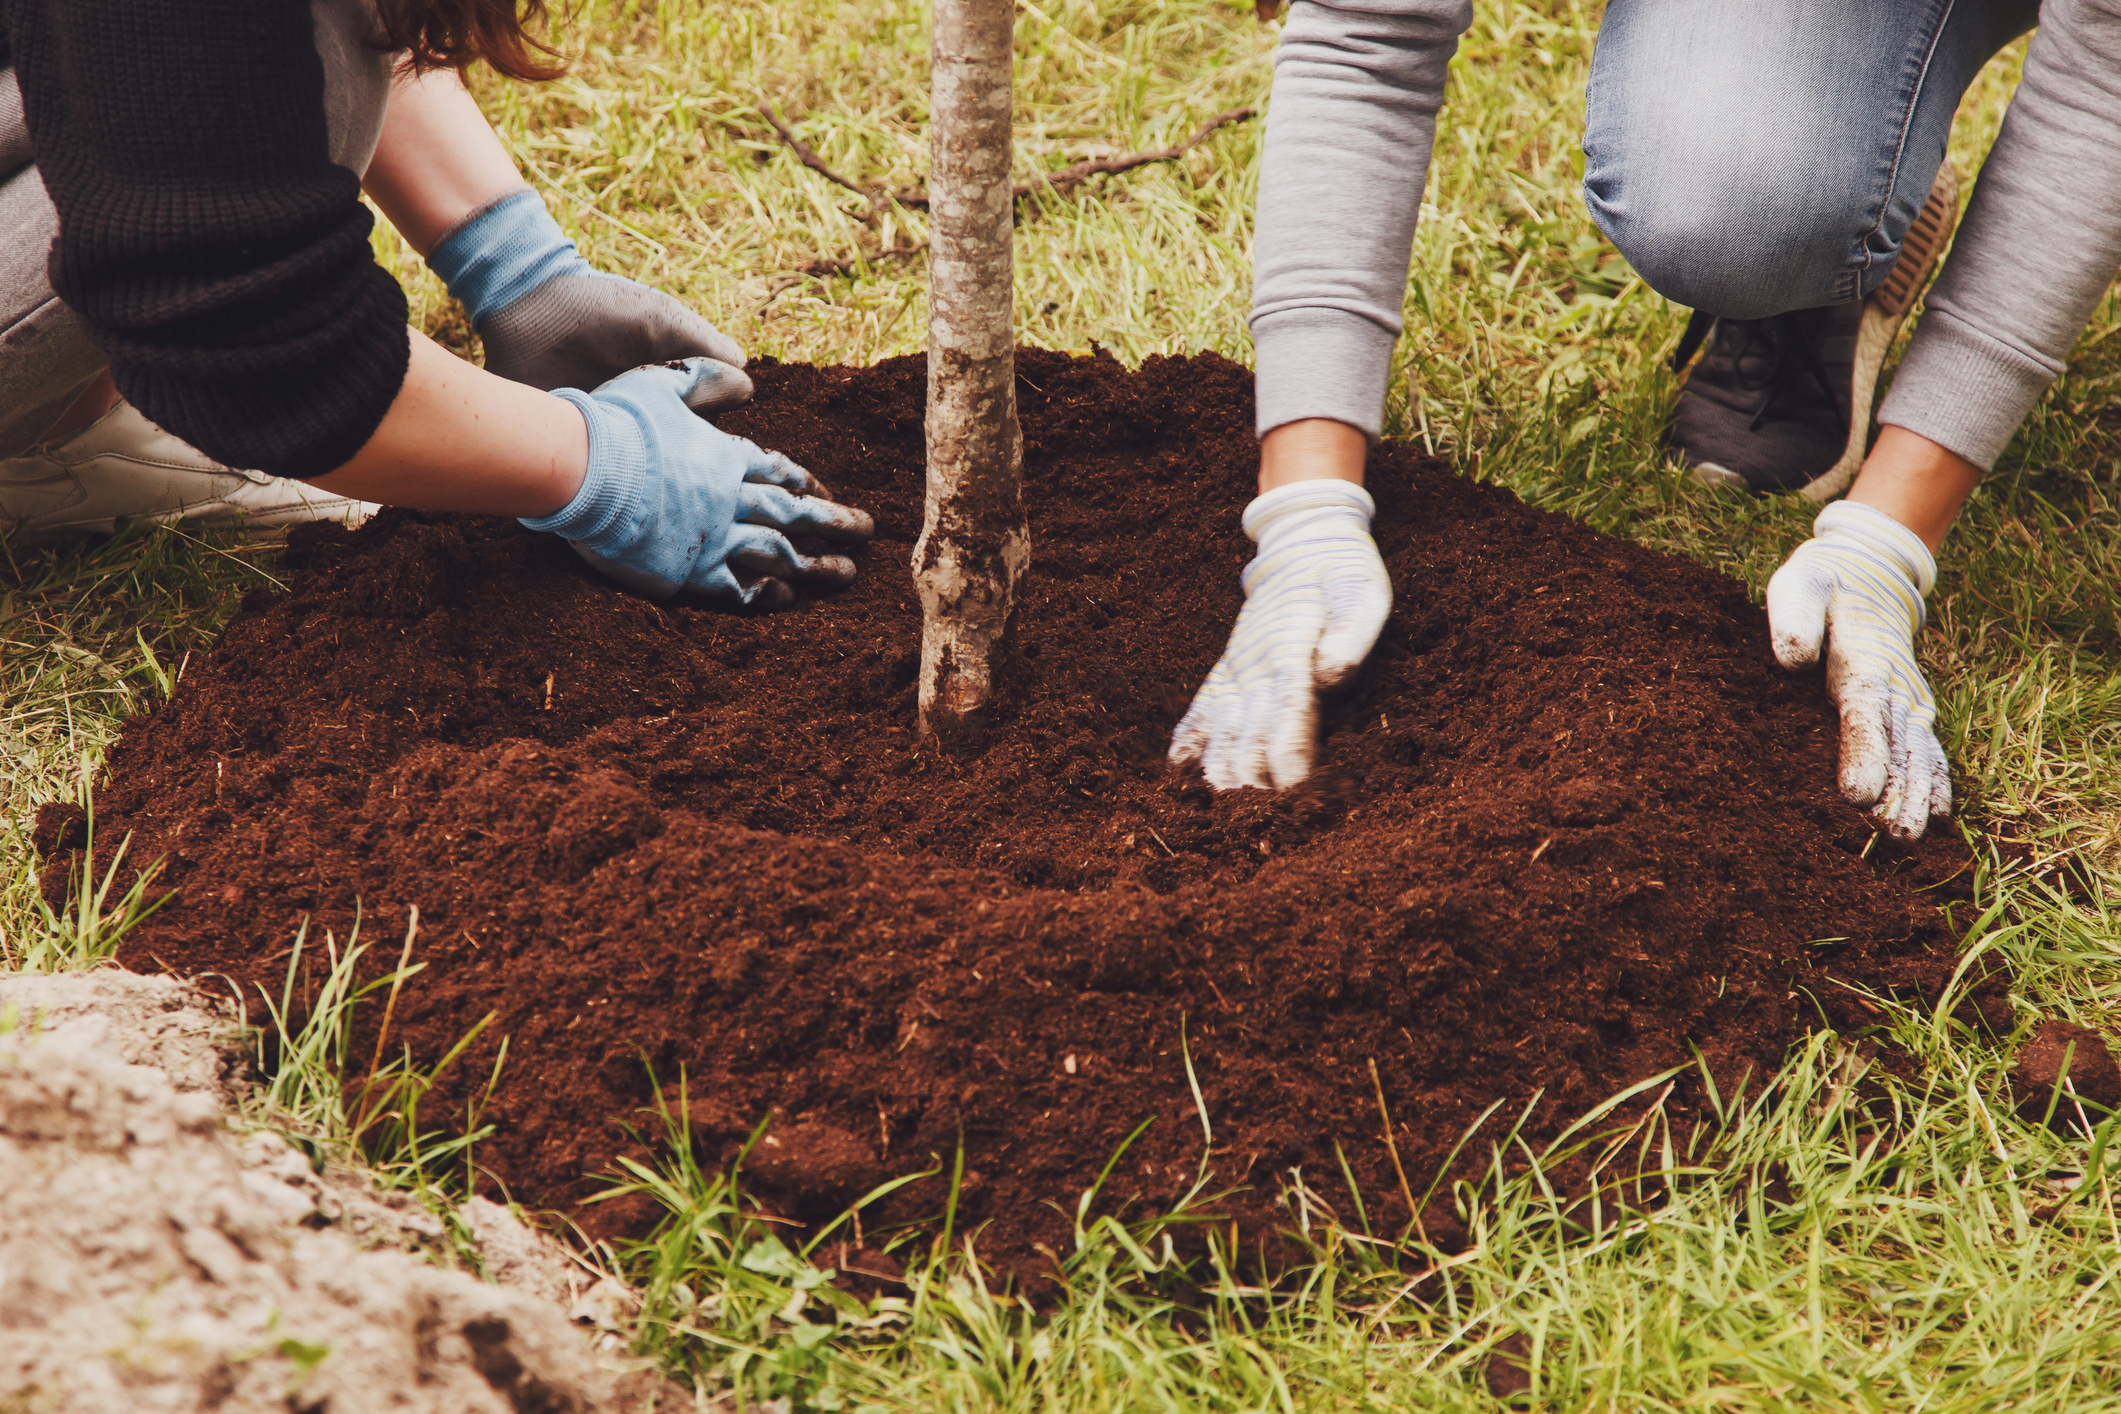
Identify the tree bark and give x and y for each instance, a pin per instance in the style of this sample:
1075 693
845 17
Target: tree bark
973 545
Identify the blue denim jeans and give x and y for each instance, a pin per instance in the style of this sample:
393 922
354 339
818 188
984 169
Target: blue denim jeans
1751 157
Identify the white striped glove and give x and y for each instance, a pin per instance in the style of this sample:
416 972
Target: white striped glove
1859 583
1316 596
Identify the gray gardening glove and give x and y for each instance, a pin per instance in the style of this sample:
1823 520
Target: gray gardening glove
550 319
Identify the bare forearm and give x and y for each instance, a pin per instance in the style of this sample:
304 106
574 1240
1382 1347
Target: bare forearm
460 439
438 160
1916 482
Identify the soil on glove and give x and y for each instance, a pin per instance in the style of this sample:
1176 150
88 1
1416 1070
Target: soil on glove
1572 822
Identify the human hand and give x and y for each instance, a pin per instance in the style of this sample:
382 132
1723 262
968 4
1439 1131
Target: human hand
550 319
1316 596
671 502
1859 584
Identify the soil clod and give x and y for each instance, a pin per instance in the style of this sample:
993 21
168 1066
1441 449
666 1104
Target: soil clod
2059 1050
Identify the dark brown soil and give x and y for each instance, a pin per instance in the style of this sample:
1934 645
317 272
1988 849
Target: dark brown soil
1572 822
2057 1049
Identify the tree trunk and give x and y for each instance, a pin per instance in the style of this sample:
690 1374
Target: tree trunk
973 546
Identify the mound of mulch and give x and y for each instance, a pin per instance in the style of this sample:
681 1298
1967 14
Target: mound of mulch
1572 823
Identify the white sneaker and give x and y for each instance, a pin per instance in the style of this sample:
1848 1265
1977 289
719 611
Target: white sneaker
123 467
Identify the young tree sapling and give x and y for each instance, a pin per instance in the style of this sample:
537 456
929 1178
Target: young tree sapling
974 544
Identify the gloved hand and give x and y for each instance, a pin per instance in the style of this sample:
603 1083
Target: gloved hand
1316 596
672 502
550 319
1859 583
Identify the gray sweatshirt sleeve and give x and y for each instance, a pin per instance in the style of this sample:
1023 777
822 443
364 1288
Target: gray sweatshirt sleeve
1357 84
2039 244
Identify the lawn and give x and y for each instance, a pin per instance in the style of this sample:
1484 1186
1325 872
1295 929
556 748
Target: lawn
1845 1238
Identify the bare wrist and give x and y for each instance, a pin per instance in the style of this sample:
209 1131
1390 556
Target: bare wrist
569 464
1917 482
1314 449
460 439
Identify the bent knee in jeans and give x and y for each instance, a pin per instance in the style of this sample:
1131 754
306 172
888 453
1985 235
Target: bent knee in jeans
1713 231
1752 159
1723 198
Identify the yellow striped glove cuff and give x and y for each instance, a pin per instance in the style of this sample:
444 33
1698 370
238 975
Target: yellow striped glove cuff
1854 523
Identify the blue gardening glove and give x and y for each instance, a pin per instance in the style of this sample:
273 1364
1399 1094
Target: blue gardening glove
1316 596
672 502
549 319
1858 584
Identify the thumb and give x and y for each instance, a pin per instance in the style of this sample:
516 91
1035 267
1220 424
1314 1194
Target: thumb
1797 600
716 385
703 384
666 327
675 326
640 581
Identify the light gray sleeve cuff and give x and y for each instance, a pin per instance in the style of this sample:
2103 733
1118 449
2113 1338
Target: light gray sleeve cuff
1964 390
2036 249
1316 362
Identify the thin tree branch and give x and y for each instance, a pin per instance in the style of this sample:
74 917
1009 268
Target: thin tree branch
1066 178
1083 171
823 269
1063 180
809 157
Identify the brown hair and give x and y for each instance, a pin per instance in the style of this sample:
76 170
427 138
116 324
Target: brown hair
455 34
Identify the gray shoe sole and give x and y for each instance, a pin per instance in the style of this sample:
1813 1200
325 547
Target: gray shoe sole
1718 478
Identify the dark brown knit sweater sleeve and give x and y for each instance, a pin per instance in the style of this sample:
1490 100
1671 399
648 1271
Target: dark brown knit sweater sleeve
206 239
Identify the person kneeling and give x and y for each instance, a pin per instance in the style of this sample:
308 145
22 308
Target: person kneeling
210 302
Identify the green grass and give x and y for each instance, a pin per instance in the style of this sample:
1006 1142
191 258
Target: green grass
86 640
1872 1242
321 1095
1818 1248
